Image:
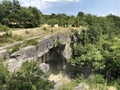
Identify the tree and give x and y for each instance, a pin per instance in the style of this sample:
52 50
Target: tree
80 15
15 6
37 15
5 8
89 59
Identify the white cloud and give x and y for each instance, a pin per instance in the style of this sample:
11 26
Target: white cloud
43 4
36 3
51 0
61 0
110 12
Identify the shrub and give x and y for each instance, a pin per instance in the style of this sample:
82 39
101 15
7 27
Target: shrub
68 86
3 28
17 38
98 78
29 77
4 74
27 32
45 29
5 37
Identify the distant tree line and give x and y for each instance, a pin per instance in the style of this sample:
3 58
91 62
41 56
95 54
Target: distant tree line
12 14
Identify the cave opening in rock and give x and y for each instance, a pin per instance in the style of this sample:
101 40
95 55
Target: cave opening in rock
55 59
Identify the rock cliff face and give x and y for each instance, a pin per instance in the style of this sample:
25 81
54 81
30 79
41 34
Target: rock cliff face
44 51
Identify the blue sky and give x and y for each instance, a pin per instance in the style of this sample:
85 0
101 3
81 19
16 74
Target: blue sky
72 7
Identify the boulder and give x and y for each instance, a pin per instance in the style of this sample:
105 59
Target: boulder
4 54
25 53
44 67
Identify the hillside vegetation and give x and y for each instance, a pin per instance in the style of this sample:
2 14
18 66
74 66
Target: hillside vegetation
96 52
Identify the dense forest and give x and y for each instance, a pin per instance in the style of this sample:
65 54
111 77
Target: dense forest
97 49
14 15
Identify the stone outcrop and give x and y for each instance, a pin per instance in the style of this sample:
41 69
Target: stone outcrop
43 47
44 67
25 53
4 54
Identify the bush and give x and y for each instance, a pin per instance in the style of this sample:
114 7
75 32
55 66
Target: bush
98 78
45 29
3 28
5 37
4 74
68 86
27 32
29 77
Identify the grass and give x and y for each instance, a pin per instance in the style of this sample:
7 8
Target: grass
68 86
90 83
96 82
3 28
21 35
64 82
15 48
30 42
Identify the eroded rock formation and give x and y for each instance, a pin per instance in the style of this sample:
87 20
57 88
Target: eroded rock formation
42 51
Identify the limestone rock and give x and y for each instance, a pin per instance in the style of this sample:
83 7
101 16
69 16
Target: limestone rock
44 67
4 54
67 52
44 46
25 53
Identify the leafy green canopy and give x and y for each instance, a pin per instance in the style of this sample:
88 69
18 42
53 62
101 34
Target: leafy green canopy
98 47
14 15
29 77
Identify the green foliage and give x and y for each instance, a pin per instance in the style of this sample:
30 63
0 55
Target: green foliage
87 56
98 47
45 29
14 15
5 37
29 77
98 78
8 37
93 78
5 21
3 28
95 82
68 86
57 43
27 32
3 75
